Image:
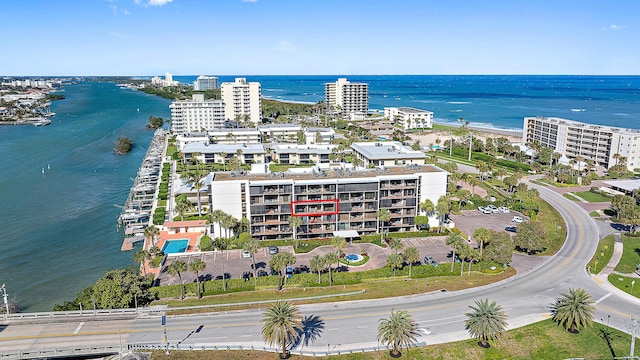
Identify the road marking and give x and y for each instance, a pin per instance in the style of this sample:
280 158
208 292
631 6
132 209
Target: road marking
603 298
333 329
550 289
362 327
246 335
598 280
219 337
77 330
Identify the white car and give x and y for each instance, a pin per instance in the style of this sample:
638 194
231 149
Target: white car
246 254
517 219
503 210
493 209
481 209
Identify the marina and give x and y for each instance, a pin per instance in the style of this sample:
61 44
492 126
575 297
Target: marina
137 210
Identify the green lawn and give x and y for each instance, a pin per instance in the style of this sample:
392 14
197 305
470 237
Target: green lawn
571 197
630 255
554 226
592 196
542 340
624 283
602 256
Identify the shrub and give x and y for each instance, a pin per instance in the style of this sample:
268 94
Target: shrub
205 243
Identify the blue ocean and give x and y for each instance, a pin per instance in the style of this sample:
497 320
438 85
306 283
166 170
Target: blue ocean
59 228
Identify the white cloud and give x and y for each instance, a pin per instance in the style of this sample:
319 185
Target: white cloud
152 2
251 1
615 27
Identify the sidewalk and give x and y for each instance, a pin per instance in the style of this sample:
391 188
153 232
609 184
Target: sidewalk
602 278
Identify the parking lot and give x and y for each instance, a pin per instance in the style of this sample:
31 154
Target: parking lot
469 220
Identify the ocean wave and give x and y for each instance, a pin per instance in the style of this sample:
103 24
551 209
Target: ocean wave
427 101
621 114
273 90
458 110
458 102
578 110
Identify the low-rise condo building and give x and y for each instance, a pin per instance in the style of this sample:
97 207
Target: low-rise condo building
409 118
330 202
221 153
605 145
315 135
288 133
301 154
196 115
388 153
191 138
347 97
242 101
232 136
203 83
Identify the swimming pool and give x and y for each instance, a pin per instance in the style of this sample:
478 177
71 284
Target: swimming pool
175 246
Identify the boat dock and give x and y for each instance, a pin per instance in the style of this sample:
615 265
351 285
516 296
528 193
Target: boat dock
136 212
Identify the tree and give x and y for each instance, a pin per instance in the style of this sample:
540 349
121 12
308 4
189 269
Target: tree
217 216
278 262
196 266
619 203
330 259
395 261
339 243
317 264
295 222
473 181
443 207
500 248
486 322
118 289
483 235
399 330
177 268
140 257
456 242
252 246
228 222
150 233
427 206
396 244
411 255
531 236
223 244
574 310
123 145
183 206
224 155
383 216
281 324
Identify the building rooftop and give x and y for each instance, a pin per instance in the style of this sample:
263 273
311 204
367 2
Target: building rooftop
279 126
186 223
413 110
302 149
587 126
328 174
386 150
226 148
233 130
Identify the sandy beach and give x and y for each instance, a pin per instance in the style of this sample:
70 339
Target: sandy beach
429 138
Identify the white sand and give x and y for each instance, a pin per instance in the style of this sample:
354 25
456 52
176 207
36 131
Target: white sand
429 138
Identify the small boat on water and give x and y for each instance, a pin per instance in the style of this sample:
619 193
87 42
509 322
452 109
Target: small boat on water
43 122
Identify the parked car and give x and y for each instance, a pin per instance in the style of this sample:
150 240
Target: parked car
246 275
246 254
517 219
493 209
262 273
289 272
273 250
503 209
429 260
487 211
511 229
481 209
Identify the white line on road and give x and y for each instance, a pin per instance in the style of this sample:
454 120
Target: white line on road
603 298
550 289
246 335
333 329
219 337
362 327
77 330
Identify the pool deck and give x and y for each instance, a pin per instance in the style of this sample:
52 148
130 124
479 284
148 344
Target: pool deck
165 236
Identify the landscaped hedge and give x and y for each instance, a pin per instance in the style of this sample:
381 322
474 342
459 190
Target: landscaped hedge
158 215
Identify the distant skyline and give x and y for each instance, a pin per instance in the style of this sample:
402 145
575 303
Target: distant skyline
319 37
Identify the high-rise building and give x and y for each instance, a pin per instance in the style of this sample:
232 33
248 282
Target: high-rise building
196 115
347 97
575 139
203 83
242 101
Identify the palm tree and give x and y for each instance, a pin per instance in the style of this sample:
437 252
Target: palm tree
281 324
574 310
223 244
295 222
150 232
140 257
227 223
395 261
177 268
411 255
456 242
330 259
196 266
473 181
486 322
400 330
252 246
278 262
217 216
339 243
396 244
383 216
223 155
183 205
427 206
317 264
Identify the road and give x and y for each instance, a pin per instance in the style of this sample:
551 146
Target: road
351 325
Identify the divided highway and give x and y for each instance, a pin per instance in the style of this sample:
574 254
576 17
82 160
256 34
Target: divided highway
352 325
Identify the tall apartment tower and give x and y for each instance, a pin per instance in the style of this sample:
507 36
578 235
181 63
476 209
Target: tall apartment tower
346 96
196 115
242 101
203 83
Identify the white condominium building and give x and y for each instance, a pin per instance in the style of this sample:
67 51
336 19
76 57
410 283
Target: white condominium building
330 202
409 118
388 153
592 142
346 96
203 83
196 115
242 101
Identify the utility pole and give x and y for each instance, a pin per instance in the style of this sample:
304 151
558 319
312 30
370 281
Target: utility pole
6 301
633 325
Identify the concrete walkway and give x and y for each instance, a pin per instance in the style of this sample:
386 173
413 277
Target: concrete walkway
602 278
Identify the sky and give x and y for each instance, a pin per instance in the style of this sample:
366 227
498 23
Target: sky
319 37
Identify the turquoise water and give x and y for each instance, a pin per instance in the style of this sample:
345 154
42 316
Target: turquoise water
59 229
175 246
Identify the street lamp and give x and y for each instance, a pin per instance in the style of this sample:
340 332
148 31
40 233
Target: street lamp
6 301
